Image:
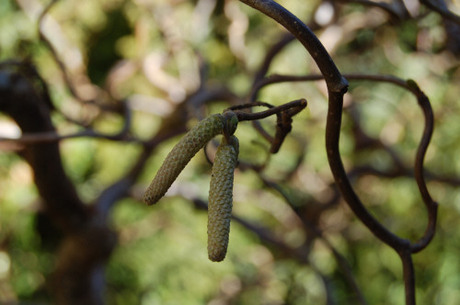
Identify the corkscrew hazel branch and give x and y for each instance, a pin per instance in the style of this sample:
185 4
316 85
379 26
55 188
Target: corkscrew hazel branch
249 116
284 114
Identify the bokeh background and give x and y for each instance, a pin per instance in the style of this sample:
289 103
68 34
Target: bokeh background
153 55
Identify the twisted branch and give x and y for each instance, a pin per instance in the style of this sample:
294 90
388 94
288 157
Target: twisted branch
337 86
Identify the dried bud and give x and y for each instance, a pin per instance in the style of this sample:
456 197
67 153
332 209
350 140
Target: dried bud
181 154
221 198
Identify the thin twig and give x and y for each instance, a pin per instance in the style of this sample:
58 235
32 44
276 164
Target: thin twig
298 105
284 114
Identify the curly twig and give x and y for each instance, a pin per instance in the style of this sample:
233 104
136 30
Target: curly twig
337 86
298 105
424 103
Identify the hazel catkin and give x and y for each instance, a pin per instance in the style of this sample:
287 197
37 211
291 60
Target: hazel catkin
221 198
181 154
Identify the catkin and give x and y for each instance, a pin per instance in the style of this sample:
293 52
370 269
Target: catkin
221 198
181 154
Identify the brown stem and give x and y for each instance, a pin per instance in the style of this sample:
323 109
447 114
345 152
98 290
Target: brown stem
409 276
298 105
337 86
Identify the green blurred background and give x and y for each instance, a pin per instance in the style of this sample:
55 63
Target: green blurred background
148 52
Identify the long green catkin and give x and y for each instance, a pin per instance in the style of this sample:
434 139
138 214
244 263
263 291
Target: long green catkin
181 154
221 198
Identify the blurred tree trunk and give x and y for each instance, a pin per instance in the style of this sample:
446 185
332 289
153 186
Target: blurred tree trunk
86 242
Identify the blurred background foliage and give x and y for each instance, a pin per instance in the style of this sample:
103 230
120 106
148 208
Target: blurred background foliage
149 53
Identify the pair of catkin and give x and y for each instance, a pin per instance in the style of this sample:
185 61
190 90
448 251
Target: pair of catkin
221 187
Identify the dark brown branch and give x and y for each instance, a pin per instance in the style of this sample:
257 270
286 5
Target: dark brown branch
430 204
298 105
441 8
337 86
409 276
397 11
283 127
256 124
424 103
335 81
380 231
284 114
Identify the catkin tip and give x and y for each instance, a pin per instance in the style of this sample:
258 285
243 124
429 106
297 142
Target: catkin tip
149 200
217 258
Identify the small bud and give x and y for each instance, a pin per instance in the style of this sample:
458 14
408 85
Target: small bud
181 154
221 198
